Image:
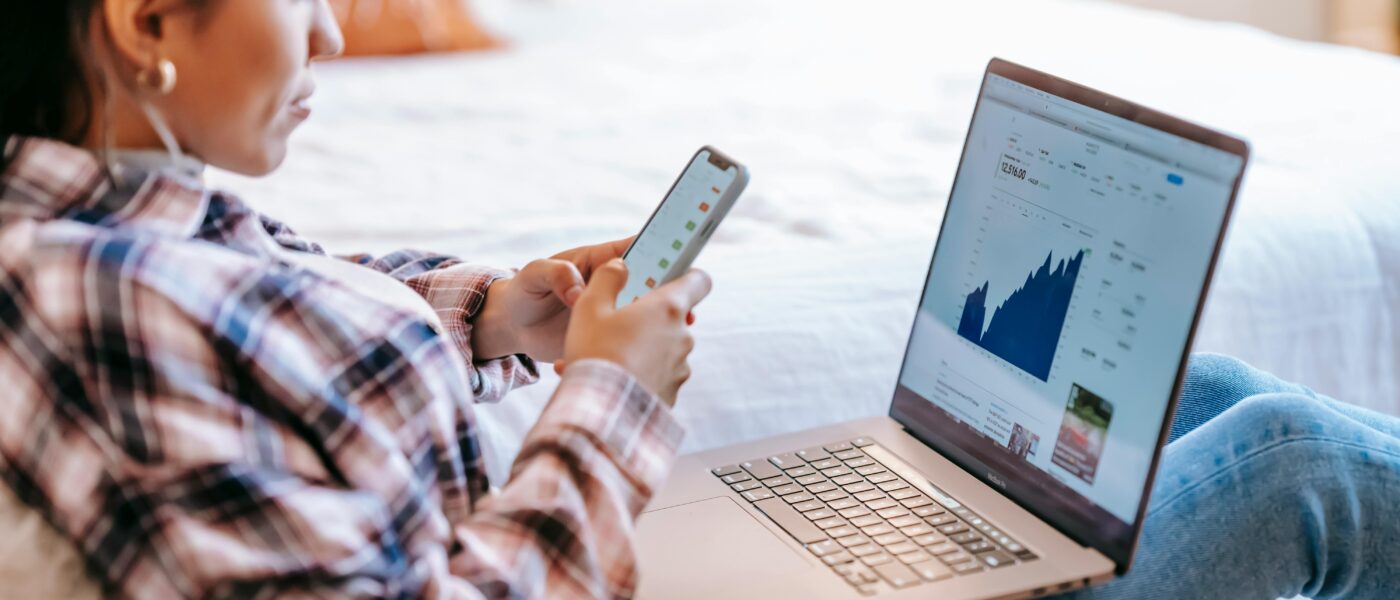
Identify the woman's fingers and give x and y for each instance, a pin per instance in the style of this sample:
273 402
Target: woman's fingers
600 296
686 292
559 277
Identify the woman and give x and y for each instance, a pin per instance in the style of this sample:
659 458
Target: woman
206 404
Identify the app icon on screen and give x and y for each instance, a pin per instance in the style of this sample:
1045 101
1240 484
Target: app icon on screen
676 245
664 263
651 283
690 226
704 207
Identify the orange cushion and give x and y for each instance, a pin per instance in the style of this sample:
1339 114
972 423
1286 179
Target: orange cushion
379 27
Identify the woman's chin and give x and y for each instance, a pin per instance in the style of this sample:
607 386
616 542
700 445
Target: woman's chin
258 164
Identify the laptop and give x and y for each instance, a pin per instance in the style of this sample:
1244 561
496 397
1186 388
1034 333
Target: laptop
1037 387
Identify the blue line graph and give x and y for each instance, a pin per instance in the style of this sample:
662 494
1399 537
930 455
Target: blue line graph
1025 329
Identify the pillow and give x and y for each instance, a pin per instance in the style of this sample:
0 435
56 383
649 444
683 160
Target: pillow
384 27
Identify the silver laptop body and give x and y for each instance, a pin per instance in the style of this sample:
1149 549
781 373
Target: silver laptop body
1037 389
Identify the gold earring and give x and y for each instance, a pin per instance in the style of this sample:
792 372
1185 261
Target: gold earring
159 78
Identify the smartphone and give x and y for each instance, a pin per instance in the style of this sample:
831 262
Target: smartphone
682 224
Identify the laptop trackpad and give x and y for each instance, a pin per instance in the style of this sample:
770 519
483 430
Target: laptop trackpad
709 549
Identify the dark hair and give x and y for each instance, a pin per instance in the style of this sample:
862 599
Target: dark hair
44 69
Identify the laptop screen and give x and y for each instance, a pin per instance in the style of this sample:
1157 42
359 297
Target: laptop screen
1061 298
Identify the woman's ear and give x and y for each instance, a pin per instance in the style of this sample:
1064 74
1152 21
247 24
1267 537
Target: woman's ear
136 26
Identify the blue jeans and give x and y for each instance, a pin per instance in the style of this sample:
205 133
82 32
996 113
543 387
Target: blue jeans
1268 490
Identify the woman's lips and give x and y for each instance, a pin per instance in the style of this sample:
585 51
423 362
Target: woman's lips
301 108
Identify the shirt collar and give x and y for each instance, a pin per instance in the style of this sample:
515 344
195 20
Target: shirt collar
149 191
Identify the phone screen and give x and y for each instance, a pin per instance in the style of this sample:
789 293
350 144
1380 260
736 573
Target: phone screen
678 222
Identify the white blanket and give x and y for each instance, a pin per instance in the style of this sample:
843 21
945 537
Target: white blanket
851 116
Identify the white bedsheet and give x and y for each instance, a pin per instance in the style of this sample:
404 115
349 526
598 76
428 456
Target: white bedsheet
851 116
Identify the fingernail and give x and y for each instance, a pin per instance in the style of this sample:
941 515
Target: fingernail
572 296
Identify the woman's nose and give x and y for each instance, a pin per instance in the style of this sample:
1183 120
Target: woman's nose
326 39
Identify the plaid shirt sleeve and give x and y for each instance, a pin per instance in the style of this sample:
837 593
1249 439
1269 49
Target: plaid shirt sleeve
204 423
454 289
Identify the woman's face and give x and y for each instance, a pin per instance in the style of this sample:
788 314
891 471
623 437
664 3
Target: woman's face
244 76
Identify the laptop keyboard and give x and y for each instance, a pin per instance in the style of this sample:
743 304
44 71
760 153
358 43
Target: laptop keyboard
852 505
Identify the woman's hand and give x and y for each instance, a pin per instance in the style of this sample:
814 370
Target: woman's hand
650 337
529 313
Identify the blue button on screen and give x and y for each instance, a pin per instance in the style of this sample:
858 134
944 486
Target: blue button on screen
1175 179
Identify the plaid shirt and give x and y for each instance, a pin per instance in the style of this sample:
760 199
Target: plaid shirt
203 419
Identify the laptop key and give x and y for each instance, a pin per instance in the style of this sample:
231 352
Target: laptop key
853 540
928 511
966 537
892 512
902 547
862 442
735 477
916 529
857 463
879 503
825 463
932 570
980 547
876 559
843 503
864 549
838 447
880 528
760 469
942 548
855 511
866 521
841 531
823 486
880 477
906 521
809 505
915 502
780 480
870 469
790 520
886 539
910 558
811 479
838 558
744 486
836 471
952 528
902 494
967 567
725 470
814 453
848 454
955 557
786 460
847 479
824 547
940 520
798 497
757 494
829 523
858 486
892 485
869 495
819 514
801 471
927 539
897 575
833 496
790 488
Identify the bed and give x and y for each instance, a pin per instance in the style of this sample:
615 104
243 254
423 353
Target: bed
851 116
